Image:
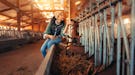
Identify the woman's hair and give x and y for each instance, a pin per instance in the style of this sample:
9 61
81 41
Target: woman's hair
53 21
57 13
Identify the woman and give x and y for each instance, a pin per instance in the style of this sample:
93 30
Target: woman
53 32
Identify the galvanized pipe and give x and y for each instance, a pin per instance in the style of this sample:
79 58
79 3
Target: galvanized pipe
104 41
96 41
112 32
101 39
132 38
118 41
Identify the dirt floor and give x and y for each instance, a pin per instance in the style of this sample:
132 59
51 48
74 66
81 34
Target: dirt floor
23 60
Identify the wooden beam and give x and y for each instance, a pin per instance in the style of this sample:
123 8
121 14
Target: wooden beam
13 7
10 24
5 19
45 2
9 4
96 10
7 16
18 16
45 66
5 10
32 17
37 11
13 18
39 27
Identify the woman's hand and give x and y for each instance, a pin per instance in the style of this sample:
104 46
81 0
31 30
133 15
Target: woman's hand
44 36
49 36
52 37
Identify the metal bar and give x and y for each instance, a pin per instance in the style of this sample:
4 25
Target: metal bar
108 39
93 38
82 26
85 33
118 42
118 50
126 44
101 38
79 32
112 32
82 33
98 43
83 29
104 41
87 37
124 36
123 60
90 39
95 31
88 33
132 38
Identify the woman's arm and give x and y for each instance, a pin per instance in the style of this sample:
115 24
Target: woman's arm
48 29
65 29
47 33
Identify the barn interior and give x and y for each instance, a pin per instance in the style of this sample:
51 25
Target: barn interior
105 39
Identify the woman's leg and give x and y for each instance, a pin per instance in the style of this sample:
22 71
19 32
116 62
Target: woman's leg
55 41
44 47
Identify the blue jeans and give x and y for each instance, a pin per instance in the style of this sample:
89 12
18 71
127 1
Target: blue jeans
48 43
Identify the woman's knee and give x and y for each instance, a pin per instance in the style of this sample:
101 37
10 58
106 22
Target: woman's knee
44 46
50 43
41 49
58 40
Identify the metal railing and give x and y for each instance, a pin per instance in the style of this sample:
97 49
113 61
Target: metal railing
98 36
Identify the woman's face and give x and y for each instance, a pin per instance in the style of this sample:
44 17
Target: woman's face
61 17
